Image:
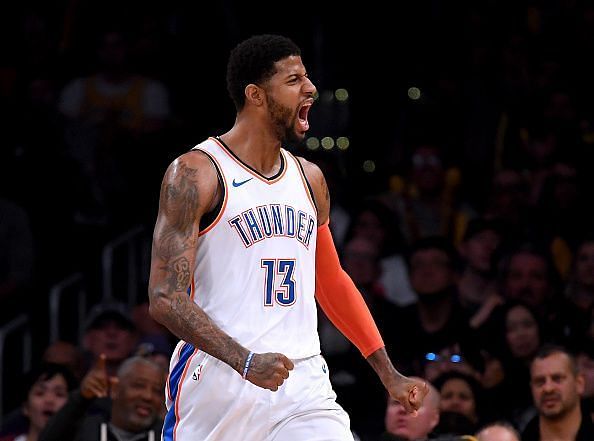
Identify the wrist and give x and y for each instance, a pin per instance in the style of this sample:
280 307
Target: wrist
247 365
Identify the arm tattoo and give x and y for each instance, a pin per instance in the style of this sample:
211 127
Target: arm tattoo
179 274
179 206
179 202
193 325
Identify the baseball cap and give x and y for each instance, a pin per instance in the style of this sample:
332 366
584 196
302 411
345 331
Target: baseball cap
104 313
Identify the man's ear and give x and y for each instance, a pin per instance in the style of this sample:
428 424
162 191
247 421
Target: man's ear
580 381
254 94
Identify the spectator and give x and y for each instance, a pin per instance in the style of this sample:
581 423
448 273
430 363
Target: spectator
401 425
557 386
585 361
508 201
110 114
429 207
109 330
114 94
460 393
452 359
528 275
46 390
562 205
134 409
499 431
438 322
65 354
521 332
375 222
580 288
477 287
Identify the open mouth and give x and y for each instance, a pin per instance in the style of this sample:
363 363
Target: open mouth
48 413
302 115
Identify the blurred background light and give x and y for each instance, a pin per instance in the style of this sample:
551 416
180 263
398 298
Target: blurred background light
369 166
312 143
414 93
327 143
342 142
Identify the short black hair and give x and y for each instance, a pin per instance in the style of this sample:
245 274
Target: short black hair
252 62
549 349
43 372
534 248
440 243
475 387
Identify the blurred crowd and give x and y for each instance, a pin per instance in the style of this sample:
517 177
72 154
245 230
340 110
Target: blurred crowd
471 238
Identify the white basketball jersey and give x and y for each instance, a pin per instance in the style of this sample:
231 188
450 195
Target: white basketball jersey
255 264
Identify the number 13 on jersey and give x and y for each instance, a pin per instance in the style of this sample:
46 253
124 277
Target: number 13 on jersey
279 284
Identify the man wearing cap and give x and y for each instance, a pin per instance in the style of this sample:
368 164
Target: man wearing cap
109 330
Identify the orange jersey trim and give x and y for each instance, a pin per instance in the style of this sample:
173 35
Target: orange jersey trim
225 198
304 181
179 390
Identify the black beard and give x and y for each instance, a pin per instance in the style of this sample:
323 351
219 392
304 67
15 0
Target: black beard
282 118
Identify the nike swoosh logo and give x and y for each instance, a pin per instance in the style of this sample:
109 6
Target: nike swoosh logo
237 184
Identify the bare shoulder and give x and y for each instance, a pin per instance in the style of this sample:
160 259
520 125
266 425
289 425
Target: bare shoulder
192 174
316 179
193 160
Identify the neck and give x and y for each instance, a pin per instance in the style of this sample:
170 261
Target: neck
254 145
434 313
472 287
117 421
33 434
561 429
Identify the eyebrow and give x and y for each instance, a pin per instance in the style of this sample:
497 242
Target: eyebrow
296 75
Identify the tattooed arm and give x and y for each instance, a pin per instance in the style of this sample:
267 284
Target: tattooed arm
344 305
190 189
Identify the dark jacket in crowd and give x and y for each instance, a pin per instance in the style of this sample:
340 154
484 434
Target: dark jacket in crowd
76 422
586 432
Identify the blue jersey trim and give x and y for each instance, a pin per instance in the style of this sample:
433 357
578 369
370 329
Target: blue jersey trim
174 379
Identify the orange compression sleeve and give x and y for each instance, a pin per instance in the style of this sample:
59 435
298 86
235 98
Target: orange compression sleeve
340 299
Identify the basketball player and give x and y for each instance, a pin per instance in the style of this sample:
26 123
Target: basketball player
240 247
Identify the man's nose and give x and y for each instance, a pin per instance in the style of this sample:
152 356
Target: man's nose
309 87
548 385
